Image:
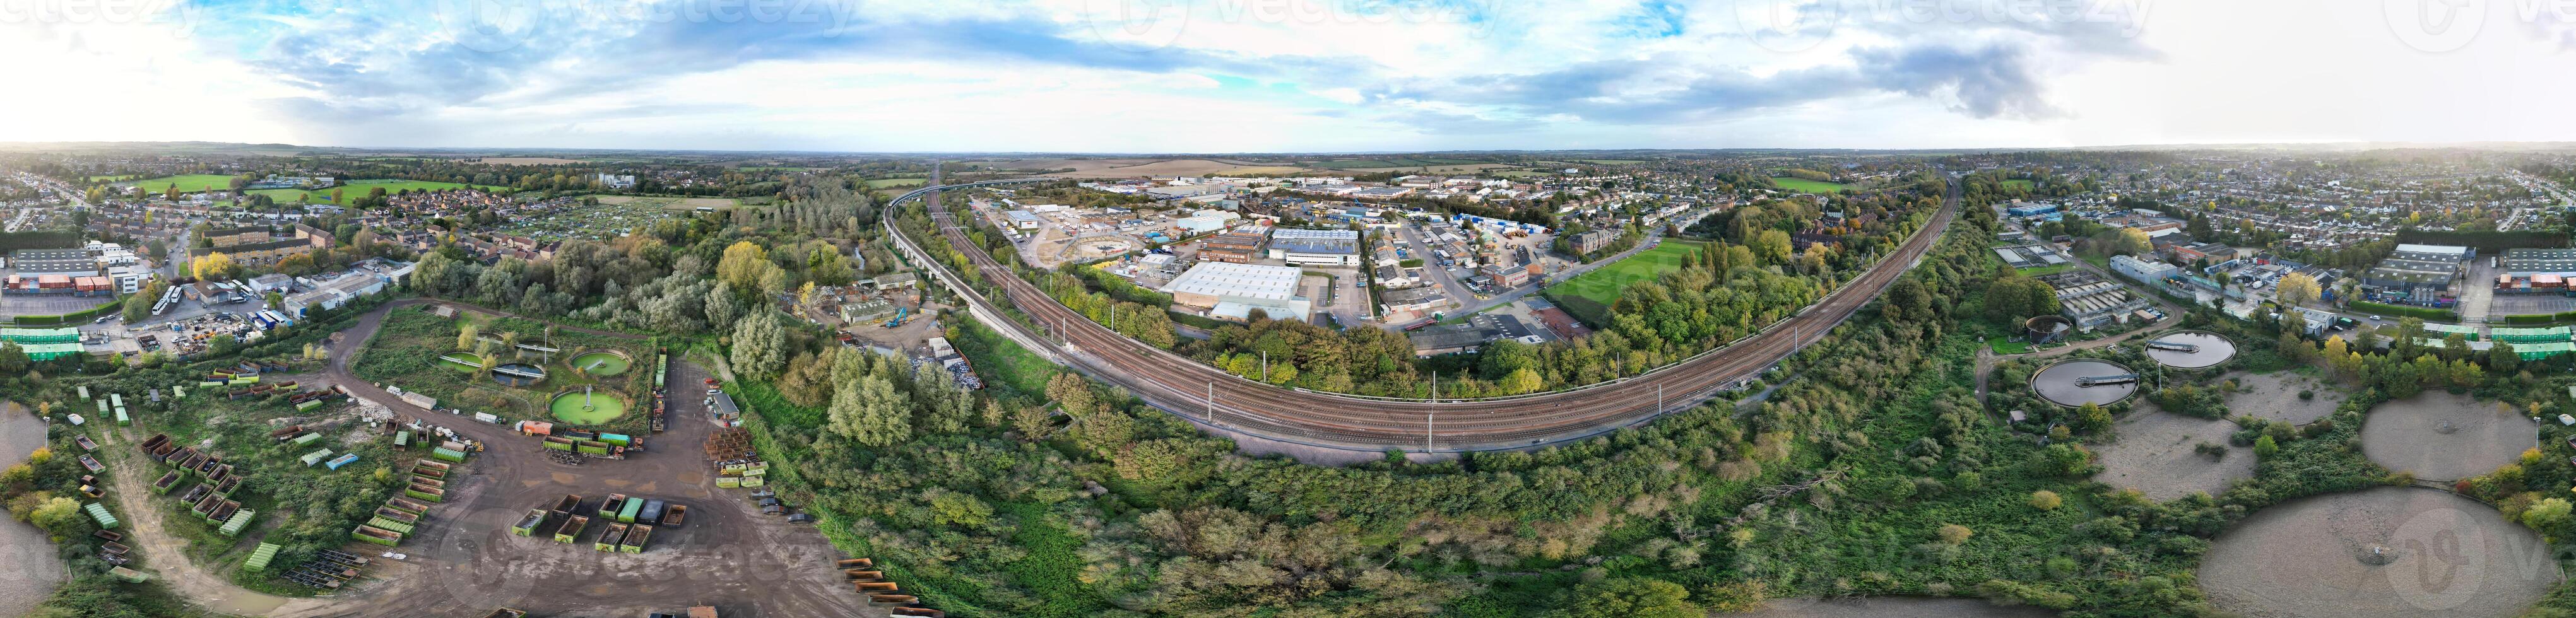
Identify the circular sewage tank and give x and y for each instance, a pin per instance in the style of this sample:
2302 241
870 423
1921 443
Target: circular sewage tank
518 374
2207 349
2081 381
590 408
602 364
2046 328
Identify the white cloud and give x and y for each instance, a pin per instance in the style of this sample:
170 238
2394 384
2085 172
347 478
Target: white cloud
1097 75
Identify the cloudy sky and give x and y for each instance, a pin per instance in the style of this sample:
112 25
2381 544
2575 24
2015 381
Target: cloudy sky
1286 75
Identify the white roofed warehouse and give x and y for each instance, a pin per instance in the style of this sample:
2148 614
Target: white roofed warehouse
1231 291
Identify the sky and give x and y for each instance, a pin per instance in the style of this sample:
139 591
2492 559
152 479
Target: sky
1180 76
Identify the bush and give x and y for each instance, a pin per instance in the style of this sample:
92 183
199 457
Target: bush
2045 500
2305 395
2428 313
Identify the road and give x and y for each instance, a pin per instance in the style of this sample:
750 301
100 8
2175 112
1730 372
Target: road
1204 394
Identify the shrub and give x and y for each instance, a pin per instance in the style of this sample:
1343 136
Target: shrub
2045 500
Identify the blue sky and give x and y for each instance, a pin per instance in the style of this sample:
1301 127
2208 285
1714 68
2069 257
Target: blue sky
1284 75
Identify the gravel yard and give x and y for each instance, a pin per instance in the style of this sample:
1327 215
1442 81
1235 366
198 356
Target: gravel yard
32 570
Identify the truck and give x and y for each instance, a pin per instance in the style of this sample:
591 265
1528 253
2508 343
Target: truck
608 540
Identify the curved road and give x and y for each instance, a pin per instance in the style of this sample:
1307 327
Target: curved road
1207 395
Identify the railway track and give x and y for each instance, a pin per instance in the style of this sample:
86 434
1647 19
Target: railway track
1210 396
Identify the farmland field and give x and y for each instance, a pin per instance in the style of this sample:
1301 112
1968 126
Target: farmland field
1602 285
1612 161
1354 164
187 183
882 183
1808 186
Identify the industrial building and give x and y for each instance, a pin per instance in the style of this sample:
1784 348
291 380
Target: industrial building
1324 247
1234 248
2536 270
1232 291
2091 301
2142 270
53 262
2030 256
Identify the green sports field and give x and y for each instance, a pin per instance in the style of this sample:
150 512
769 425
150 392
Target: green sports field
1808 186
1602 285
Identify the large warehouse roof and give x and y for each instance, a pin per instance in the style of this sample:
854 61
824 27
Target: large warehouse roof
1244 281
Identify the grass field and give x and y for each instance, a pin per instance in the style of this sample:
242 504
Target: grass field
357 189
882 183
2023 183
188 183
1808 186
1602 285
1612 161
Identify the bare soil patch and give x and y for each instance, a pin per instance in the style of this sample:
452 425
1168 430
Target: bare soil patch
1892 607
2389 552
2275 396
2444 437
2154 455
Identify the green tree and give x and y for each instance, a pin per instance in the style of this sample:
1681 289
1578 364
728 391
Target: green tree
2297 289
871 413
13 359
1633 597
2265 447
2547 515
1772 247
466 334
61 516
2502 359
760 346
